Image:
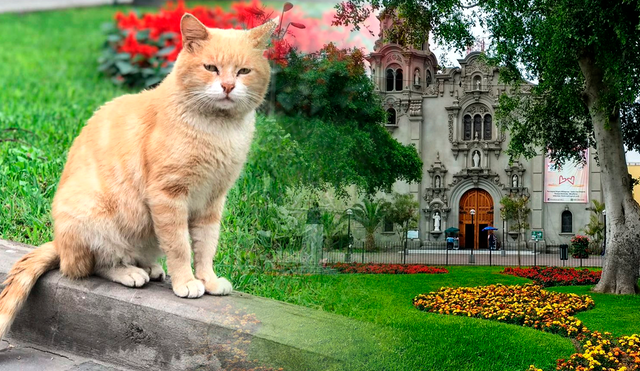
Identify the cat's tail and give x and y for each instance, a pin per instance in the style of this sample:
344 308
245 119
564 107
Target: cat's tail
21 279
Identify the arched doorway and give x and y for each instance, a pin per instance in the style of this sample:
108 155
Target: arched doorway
471 235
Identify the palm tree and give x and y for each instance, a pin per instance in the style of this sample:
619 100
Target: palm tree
369 214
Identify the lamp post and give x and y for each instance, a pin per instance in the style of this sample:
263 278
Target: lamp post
347 257
604 242
472 258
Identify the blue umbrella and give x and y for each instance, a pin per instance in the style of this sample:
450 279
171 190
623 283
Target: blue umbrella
489 228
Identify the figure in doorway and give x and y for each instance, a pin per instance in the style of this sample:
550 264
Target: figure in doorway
514 181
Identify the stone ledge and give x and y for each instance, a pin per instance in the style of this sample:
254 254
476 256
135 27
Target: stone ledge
151 328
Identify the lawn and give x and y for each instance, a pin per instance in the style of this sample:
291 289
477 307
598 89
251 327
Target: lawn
50 87
425 341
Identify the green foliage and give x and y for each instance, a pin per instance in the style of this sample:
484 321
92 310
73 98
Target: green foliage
595 227
516 208
328 105
333 226
144 69
403 211
369 214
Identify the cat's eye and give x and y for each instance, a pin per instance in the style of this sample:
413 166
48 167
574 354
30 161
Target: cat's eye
212 68
244 71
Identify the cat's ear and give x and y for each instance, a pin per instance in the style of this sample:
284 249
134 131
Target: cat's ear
260 35
193 32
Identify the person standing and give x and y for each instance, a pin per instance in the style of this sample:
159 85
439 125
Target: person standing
492 240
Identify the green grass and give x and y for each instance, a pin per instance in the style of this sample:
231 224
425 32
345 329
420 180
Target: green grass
49 89
426 341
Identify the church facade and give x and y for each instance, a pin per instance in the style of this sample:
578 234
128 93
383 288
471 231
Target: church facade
449 115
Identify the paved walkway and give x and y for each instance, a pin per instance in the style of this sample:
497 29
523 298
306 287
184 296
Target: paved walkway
16 6
26 357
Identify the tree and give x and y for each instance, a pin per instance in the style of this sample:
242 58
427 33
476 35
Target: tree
516 209
369 214
403 211
585 56
595 227
328 105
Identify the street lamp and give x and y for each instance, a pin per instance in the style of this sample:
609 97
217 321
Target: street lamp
472 258
347 258
604 243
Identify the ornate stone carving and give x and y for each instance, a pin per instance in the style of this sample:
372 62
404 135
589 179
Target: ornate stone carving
477 108
394 57
431 90
415 108
515 179
436 193
476 65
475 175
451 117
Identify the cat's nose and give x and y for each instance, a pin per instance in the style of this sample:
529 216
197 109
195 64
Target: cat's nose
228 87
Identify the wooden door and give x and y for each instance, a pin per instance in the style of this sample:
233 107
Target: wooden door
480 201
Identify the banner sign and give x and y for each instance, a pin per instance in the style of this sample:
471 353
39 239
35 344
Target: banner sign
566 183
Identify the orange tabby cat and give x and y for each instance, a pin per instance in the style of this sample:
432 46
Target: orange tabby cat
149 173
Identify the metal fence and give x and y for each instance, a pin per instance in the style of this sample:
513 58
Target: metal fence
439 254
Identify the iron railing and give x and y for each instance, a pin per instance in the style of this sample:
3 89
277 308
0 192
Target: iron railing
437 253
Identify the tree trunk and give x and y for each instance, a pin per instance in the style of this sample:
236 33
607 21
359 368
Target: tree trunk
370 243
621 267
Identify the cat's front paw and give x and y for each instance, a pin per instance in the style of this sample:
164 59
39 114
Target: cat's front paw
191 289
219 286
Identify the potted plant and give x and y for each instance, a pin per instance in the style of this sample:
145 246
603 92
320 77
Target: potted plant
580 247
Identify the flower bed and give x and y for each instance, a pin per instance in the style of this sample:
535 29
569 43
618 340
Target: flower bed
553 276
141 50
602 352
531 306
386 268
527 305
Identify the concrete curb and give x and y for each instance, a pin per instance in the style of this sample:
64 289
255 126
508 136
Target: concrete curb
151 328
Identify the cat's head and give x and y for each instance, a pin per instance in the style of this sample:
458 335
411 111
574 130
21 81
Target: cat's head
223 70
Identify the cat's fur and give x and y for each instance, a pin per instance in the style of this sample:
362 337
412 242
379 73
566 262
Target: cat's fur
149 173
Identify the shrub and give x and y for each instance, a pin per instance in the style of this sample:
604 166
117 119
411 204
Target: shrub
580 247
141 50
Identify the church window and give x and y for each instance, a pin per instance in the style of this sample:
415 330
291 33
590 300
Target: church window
391 117
388 226
467 127
487 127
399 79
390 79
477 127
394 79
567 222
428 79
